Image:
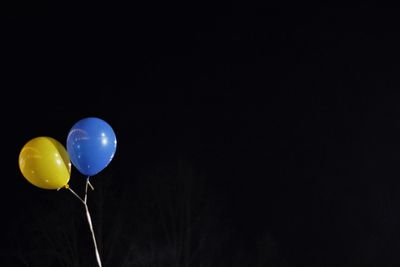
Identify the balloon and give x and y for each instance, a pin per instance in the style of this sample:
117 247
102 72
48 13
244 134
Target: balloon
45 163
91 145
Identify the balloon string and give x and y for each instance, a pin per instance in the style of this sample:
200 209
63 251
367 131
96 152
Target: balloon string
75 194
88 182
86 186
89 218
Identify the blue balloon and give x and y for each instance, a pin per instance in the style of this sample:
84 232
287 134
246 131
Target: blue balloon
91 145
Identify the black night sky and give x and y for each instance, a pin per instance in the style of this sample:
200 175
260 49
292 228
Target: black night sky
247 135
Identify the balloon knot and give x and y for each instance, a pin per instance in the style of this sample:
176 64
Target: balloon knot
66 186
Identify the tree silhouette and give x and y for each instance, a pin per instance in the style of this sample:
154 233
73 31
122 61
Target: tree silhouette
169 216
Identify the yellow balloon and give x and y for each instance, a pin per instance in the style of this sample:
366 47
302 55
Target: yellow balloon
45 163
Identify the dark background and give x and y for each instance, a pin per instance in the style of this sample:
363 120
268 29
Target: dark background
278 125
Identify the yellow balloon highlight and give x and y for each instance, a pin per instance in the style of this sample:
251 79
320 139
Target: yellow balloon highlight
45 163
